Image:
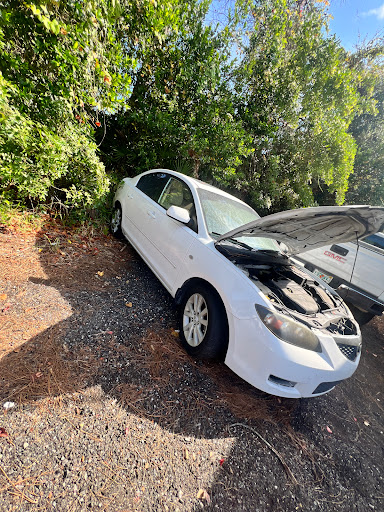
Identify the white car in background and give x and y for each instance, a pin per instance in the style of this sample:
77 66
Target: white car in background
240 297
355 270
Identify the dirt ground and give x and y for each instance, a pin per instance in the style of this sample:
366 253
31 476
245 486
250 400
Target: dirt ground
106 411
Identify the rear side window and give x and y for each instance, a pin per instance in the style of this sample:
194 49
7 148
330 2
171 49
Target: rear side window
153 184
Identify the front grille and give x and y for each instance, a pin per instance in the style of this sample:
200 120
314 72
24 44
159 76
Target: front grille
343 326
325 386
349 351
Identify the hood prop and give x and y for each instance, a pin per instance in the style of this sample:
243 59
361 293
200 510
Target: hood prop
353 268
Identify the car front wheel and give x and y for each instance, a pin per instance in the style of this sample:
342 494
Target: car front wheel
203 323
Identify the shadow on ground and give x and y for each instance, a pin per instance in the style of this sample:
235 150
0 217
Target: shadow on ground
84 312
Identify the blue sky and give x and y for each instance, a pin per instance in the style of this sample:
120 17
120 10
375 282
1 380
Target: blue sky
353 20
356 20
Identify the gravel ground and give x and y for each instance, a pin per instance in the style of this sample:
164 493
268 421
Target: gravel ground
110 413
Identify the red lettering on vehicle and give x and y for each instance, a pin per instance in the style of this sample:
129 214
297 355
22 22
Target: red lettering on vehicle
334 256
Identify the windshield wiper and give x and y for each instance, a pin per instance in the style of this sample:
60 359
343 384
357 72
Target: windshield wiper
240 244
234 241
267 251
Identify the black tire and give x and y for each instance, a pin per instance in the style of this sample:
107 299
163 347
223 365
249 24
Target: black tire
115 225
214 342
361 317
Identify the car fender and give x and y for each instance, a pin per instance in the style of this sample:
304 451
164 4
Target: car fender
235 289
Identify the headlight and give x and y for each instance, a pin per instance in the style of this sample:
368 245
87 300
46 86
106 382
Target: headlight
288 330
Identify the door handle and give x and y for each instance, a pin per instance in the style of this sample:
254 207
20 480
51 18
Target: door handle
151 214
339 250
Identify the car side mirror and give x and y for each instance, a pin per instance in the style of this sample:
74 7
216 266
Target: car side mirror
179 214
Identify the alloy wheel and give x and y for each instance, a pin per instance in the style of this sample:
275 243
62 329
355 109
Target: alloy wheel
116 220
195 320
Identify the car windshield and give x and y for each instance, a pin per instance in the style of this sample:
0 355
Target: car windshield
222 214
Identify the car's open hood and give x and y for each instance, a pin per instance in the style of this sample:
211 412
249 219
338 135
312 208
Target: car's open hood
309 228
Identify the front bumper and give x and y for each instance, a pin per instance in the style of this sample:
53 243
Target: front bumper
282 369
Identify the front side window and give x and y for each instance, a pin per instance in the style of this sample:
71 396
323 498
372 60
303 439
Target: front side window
177 193
168 191
153 184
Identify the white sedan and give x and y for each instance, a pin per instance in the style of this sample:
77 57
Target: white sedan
241 298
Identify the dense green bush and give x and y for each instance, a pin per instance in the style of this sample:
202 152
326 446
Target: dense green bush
39 165
65 67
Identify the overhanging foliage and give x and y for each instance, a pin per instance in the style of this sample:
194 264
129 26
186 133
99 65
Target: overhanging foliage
156 86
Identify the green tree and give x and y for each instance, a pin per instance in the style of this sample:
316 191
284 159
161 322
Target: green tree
61 71
181 111
298 95
366 184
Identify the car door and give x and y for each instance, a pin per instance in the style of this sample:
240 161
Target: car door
171 238
163 241
138 208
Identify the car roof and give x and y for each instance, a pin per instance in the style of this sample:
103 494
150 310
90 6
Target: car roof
198 184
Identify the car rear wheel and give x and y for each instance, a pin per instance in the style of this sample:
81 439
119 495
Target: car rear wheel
116 222
203 323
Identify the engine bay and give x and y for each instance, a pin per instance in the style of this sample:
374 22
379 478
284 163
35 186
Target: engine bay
291 290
